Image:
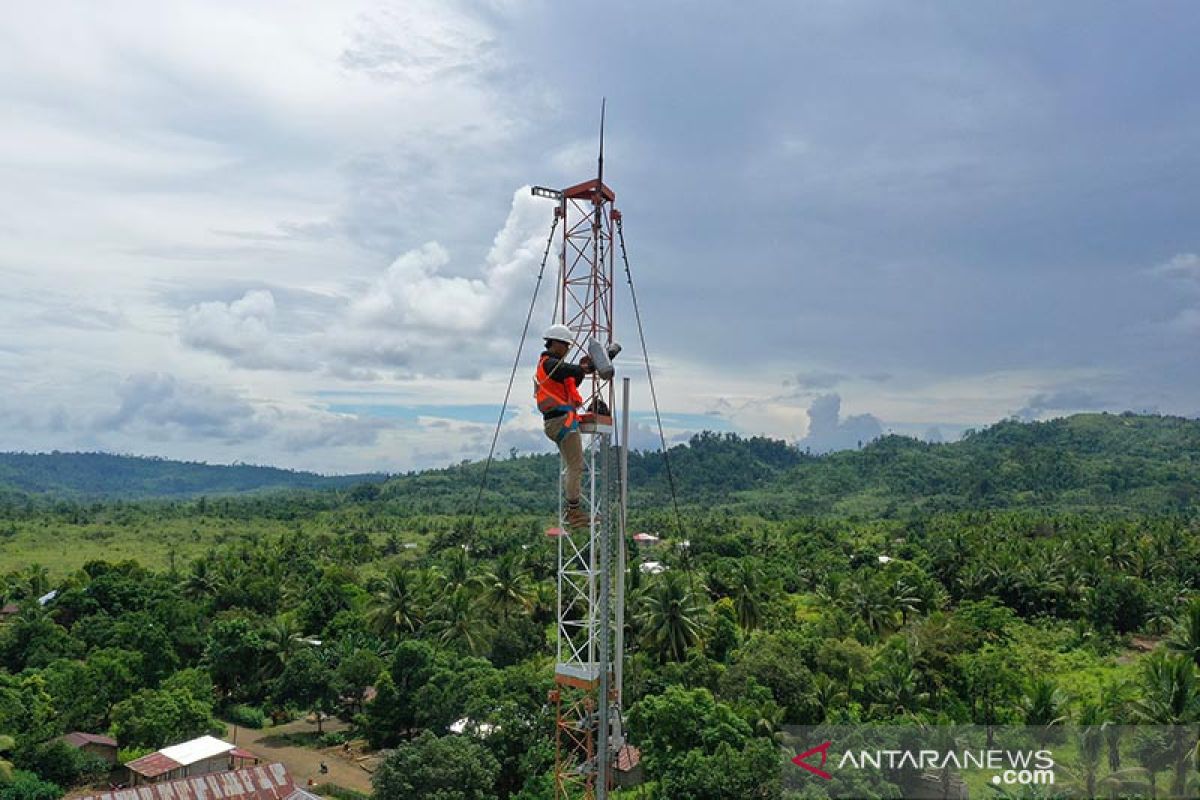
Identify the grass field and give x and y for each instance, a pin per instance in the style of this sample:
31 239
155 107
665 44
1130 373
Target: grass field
158 544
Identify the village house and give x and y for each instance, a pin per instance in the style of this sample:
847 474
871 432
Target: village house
99 746
201 756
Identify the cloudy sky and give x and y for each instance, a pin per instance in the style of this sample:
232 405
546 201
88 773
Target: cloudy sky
301 234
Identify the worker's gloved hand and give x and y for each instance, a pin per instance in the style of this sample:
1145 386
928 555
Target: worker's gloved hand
587 365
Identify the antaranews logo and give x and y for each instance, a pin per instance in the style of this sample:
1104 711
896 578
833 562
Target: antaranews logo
852 761
1011 766
918 761
823 749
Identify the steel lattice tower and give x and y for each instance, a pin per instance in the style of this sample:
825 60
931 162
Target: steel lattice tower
590 616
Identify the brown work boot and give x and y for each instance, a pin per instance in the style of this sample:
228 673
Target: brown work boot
576 517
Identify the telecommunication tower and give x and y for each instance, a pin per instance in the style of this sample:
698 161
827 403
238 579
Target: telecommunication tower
589 737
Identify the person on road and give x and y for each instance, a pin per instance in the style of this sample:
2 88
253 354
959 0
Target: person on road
556 391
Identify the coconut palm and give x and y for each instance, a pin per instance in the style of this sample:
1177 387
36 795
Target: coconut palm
37 580
1169 692
871 605
506 588
1170 697
826 692
458 621
281 639
458 571
1115 710
905 598
1044 703
1090 738
896 692
747 595
1185 638
396 606
670 616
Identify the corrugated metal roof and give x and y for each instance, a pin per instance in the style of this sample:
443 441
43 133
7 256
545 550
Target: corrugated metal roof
196 750
628 757
266 782
79 739
153 765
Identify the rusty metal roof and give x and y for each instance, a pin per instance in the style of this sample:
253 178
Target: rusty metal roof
265 782
153 765
79 739
628 757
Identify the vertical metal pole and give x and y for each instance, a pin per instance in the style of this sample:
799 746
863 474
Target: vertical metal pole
619 655
603 765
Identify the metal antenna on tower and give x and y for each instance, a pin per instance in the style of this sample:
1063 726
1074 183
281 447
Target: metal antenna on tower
600 162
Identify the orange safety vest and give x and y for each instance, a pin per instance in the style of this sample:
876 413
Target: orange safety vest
552 394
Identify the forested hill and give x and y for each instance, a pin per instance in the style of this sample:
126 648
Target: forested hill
103 475
1086 461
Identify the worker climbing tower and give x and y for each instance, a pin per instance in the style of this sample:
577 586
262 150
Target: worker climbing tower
589 737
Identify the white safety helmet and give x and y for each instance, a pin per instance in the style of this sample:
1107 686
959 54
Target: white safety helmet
558 333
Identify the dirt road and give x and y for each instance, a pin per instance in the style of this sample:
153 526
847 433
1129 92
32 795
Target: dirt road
304 763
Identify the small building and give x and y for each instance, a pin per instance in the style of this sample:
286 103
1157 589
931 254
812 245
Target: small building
99 746
266 782
152 768
201 756
8 611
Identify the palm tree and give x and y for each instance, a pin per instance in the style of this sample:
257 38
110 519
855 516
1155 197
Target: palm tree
826 693
1115 709
458 620
396 607
905 598
765 717
457 571
1169 692
1045 708
1044 703
1185 638
200 582
545 600
897 691
37 580
281 638
1170 697
1091 743
506 587
747 595
670 617
871 605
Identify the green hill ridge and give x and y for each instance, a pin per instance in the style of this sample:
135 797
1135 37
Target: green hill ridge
1086 461
110 476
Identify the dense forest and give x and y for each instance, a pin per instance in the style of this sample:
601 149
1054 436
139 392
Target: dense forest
1034 573
91 476
1087 461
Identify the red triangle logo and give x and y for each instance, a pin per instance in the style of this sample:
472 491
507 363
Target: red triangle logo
823 749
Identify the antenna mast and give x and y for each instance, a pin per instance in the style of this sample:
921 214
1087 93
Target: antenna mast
589 737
